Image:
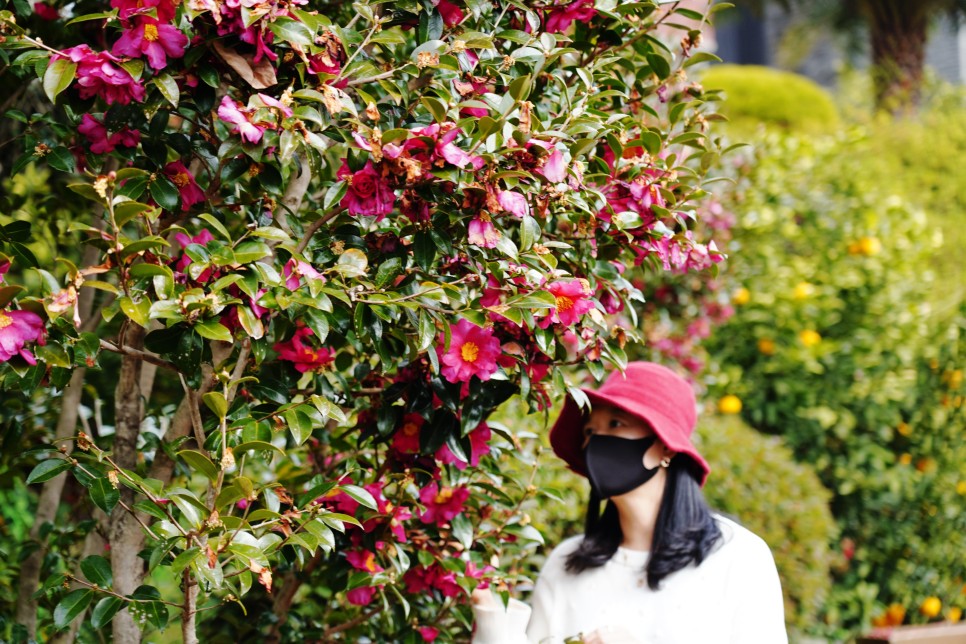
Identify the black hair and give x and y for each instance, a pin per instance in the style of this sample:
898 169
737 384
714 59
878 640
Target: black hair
685 531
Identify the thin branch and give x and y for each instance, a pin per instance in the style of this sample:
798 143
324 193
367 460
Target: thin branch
137 353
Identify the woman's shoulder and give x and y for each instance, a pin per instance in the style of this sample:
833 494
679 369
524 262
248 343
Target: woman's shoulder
557 559
739 541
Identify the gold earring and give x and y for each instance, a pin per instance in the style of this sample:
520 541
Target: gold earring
666 461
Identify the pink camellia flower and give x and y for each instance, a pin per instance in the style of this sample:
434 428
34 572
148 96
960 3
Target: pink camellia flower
559 19
17 328
304 357
443 148
481 232
233 113
428 633
369 193
295 269
128 8
101 142
472 352
554 169
514 203
406 438
100 74
4 267
442 504
151 38
269 101
479 446
573 300
191 193
421 580
397 518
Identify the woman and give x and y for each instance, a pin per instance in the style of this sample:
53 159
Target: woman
656 567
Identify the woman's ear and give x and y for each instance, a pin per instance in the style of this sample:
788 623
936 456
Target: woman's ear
668 455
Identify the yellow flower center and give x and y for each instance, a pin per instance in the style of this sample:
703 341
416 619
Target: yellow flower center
410 429
150 32
564 303
5 320
181 179
470 351
370 562
444 495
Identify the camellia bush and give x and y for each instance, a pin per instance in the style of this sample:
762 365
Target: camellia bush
267 268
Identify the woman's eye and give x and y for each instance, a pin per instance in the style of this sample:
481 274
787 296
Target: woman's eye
615 422
588 431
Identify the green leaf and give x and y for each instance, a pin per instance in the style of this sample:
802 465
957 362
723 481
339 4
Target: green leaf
520 88
213 330
258 446
360 495
105 610
292 31
60 73
184 559
165 192
334 194
388 271
104 495
138 312
48 469
659 64
168 87
72 605
61 159
199 463
98 571
216 402
7 293
92 16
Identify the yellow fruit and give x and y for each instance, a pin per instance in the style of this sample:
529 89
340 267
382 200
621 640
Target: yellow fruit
955 614
895 614
961 489
729 404
905 459
870 246
741 296
904 429
766 346
930 607
855 248
809 337
925 465
803 290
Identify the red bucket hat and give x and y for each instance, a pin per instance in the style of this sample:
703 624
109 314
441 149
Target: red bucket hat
649 391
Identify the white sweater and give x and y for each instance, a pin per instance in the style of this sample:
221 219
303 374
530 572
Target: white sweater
733 597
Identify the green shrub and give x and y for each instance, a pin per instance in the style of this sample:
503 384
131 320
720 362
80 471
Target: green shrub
833 347
760 95
755 479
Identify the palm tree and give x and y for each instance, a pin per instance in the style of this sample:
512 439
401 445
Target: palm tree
897 32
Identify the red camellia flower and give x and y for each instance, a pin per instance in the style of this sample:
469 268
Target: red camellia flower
101 142
304 357
406 439
442 505
151 38
559 19
99 74
191 193
369 193
361 596
17 328
573 300
420 580
472 352
428 633
46 11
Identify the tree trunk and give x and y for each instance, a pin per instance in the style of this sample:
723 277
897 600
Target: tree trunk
47 506
125 534
897 35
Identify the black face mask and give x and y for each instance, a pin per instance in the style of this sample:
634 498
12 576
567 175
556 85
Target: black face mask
615 465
